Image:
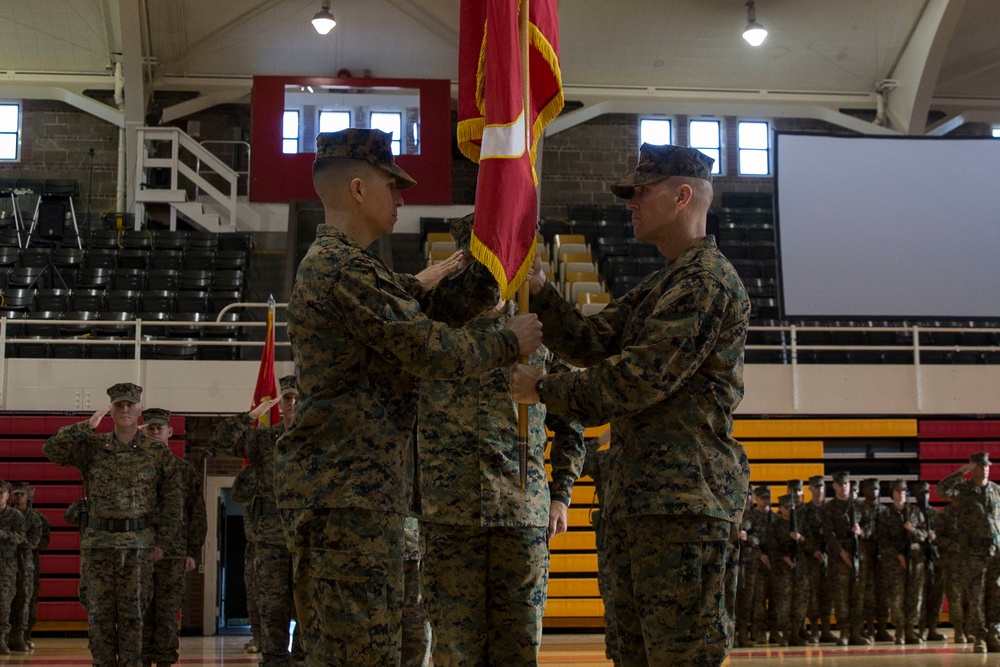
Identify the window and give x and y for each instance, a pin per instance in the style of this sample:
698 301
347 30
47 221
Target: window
754 139
10 128
290 132
334 121
657 131
996 131
706 136
391 122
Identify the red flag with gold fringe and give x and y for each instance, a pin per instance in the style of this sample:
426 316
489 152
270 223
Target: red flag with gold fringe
491 126
267 387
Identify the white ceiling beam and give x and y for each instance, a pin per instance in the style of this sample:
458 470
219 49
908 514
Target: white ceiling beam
203 102
917 69
73 98
950 124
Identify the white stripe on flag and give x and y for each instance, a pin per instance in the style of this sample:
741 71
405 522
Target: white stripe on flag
503 141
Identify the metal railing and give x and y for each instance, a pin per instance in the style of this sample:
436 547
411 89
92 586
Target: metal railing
242 175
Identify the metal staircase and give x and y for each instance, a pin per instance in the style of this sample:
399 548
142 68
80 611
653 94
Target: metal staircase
171 149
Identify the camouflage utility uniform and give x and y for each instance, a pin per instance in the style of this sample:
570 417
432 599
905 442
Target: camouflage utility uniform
45 534
239 436
977 509
160 641
845 579
36 528
813 564
757 595
135 503
791 588
12 536
665 367
595 467
416 630
903 582
344 472
952 567
486 556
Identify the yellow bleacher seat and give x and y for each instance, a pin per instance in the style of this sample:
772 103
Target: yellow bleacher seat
825 428
574 587
582 563
436 256
574 540
575 289
582 277
574 607
589 309
435 237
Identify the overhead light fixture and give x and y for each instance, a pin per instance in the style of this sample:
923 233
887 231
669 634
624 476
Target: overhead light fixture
324 21
754 33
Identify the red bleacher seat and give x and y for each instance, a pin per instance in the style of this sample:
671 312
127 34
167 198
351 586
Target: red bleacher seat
40 471
959 451
59 564
61 611
953 429
59 587
58 494
22 448
64 540
55 516
939 471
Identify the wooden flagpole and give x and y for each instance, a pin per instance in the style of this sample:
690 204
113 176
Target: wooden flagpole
522 295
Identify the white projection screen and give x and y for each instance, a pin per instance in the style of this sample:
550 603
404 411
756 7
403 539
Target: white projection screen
877 227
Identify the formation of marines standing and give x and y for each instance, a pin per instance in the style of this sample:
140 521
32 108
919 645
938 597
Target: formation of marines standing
879 562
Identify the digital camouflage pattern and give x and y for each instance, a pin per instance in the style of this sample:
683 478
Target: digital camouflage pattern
272 569
847 594
119 587
952 566
903 582
791 587
664 364
875 608
467 435
20 612
132 480
243 491
658 163
468 439
977 511
594 465
360 338
495 616
810 524
122 481
45 533
373 146
753 599
12 536
933 600
681 613
354 556
160 640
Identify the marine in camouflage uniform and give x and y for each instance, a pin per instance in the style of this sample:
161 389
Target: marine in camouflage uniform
595 466
135 511
876 604
238 435
977 507
243 491
12 536
36 533
744 593
160 640
485 539
360 337
815 565
844 524
952 562
901 532
664 364
787 548
760 609
933 599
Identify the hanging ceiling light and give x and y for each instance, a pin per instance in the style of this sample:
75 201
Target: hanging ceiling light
324 21
754 33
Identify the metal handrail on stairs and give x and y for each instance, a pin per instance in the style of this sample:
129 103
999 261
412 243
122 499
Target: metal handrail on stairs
178 141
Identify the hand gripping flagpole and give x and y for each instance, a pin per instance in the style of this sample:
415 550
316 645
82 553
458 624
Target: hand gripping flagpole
522 294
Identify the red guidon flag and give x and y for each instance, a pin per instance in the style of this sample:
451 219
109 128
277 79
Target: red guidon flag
266 387
491 126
